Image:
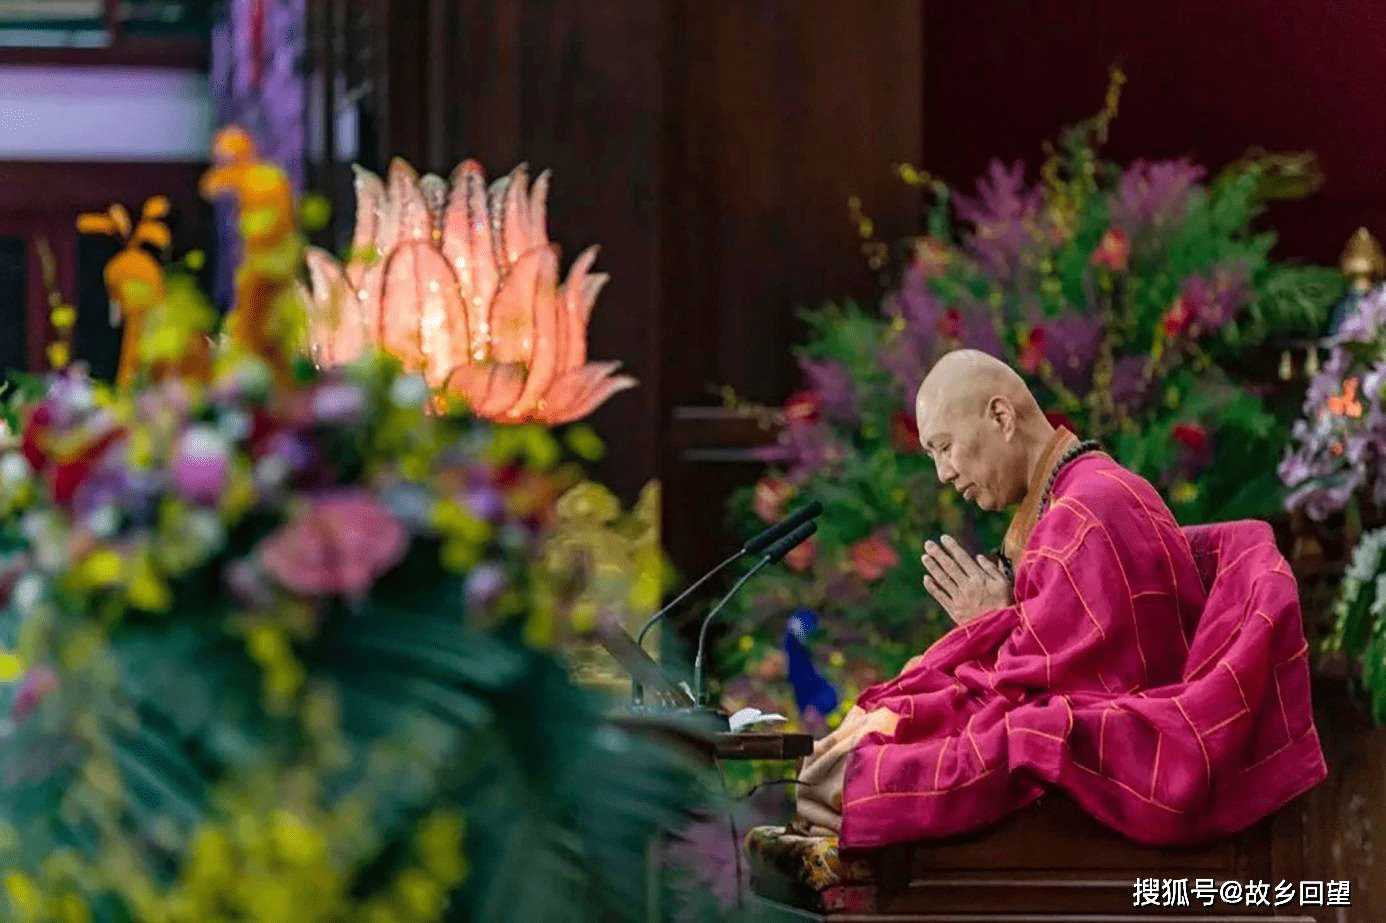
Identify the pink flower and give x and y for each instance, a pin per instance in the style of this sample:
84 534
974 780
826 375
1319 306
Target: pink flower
771 494
1113 252
801 557
341 544
201 465
37 684
873 557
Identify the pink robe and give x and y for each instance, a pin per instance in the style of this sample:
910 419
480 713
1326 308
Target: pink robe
1157 675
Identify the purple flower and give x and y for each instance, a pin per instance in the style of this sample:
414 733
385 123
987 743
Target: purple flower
834 386
201 465
906 359
1153 194
486 503
1213 301
1071 344
1003 216
915 304
1131 389
294 450
485 584
338 403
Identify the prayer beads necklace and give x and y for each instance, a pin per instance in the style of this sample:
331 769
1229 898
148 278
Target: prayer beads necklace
1080 448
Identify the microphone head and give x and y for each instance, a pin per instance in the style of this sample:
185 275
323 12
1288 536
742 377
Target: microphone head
779 530
790 541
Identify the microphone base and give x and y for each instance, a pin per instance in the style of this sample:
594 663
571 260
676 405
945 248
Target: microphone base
699 717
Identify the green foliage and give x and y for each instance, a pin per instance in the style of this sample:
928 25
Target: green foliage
1360 619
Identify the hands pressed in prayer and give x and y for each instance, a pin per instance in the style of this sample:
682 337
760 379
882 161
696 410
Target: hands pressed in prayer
964 586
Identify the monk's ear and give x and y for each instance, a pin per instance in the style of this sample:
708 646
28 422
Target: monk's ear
1001 414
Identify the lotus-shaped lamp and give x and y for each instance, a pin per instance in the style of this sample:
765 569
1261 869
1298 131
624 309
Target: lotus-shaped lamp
461 284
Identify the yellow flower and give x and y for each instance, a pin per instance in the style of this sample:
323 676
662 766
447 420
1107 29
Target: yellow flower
21 892
59 355
440 846
11 667
1184 492
147 591
101 568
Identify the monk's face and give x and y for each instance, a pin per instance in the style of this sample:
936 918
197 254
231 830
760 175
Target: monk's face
974 448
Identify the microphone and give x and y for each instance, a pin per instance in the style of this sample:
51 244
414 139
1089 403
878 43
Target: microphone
754 545
772 555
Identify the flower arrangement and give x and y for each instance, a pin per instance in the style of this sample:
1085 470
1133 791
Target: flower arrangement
1334 465
278 639
1125 296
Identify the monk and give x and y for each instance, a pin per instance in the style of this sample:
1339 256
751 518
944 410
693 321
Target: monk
1157 675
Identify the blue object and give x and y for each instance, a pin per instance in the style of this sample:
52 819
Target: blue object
811 690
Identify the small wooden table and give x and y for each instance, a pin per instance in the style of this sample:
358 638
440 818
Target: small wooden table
761 745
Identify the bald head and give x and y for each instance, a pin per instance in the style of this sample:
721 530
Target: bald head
982 426
970 379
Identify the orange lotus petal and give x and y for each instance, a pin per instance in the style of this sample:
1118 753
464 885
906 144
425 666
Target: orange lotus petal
469 250
570 387
415 222
435 195
490 389
370 198
416 279
515 223
422 307
387 222
543 360
599 389
572 336
512 312
538 208
334 312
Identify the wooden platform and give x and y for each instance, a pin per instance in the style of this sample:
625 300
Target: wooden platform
1050 862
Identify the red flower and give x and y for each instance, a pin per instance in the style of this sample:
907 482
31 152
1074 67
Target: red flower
801 557
771 495
803 407
1032 350
1178 319
1192 435
1113 251
873 557
34 438
950 326
64 475
904 432
1059 420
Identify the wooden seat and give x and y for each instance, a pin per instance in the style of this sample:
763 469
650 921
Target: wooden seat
1048 862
